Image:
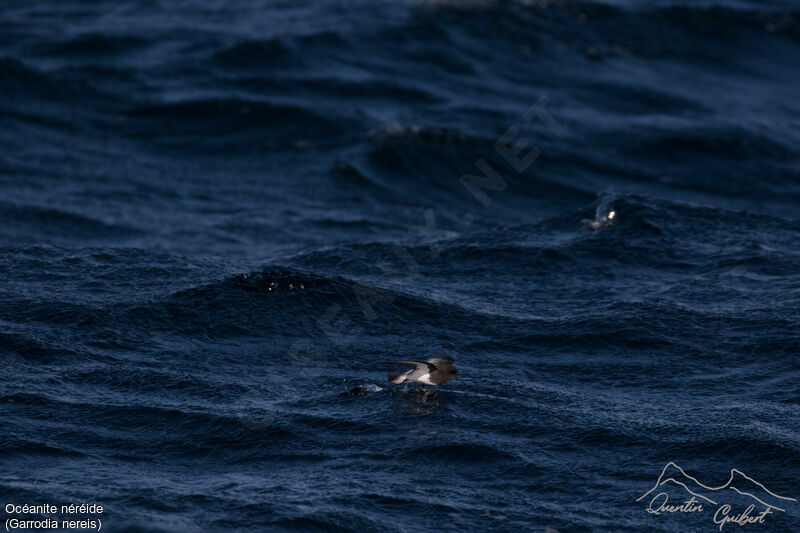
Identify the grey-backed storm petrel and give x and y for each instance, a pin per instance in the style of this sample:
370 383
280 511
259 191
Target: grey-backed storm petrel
434 371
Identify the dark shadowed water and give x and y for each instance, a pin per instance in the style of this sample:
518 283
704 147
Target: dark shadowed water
218 218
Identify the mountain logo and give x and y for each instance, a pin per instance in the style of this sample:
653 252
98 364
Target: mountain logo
756 500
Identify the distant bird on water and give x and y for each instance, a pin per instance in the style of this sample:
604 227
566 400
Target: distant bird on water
434 371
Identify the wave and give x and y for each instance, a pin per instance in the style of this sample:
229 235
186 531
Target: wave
17 79
437 157
284 301
257 54
201 432
362 92
234 125
26 448
718 142
92 45
33 349
22 84
610 29
31 220
458 453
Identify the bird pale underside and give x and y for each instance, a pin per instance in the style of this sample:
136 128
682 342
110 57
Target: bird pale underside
434 371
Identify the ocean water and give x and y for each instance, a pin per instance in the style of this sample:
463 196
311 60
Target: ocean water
219 219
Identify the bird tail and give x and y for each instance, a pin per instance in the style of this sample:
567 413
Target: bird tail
397 378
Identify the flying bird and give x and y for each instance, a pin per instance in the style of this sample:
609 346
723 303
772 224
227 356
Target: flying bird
434 371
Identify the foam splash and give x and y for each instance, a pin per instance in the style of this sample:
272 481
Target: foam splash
601 220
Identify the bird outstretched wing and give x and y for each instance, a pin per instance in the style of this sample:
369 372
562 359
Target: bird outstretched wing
418 365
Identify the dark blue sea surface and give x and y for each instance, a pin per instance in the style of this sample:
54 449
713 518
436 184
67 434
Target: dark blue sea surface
219 218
